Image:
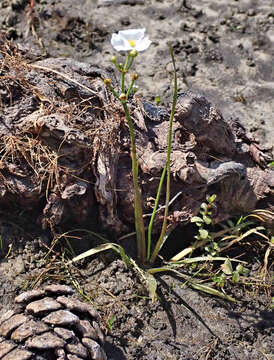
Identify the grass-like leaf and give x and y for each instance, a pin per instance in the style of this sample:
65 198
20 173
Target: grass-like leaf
211 291
163 236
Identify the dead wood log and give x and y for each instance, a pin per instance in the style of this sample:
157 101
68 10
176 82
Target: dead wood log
65 150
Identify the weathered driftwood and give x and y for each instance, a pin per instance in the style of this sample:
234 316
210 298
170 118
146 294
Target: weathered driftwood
65 150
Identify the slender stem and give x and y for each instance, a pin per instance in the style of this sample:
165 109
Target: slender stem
130 88
138 211
123 73
131 59
123 81
162 237
154 212
113 92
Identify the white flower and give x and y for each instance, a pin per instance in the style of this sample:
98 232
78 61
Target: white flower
132 39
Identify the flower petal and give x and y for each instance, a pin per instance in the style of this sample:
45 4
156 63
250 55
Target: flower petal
142 44
130 39
132 34
119 43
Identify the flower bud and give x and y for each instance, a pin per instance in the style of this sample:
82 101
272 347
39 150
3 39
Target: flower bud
107 81
134 76
123 97
113 59
133 53
135 89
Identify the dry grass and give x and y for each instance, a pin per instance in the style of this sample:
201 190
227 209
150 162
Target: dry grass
23 152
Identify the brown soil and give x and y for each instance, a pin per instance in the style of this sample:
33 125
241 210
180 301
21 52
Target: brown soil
180 324
222 50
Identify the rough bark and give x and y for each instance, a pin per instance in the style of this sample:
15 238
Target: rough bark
65 150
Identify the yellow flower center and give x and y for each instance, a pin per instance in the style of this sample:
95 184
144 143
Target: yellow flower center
132 42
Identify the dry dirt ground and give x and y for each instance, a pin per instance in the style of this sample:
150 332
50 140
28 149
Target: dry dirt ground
223 49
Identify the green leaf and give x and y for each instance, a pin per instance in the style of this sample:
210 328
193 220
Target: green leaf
240 220
196 219
210 290
227 267
110 322
207 219
117 248
204 206
157 100
271 164
230 223
239 268
93 251
202 259
220 279
203 234
211 198
235 276
151 284
245 271
124 256
194 285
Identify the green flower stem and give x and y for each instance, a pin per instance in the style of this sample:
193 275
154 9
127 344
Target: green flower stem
131 59
138 211
123 73
163 234
154 212
130 88
118 67
113 91
123 81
